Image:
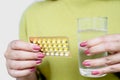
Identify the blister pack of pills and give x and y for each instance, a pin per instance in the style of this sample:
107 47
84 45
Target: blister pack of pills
52 46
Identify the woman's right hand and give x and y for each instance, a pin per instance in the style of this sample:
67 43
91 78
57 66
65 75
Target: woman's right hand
22 58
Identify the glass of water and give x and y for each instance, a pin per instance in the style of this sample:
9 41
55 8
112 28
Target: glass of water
89 28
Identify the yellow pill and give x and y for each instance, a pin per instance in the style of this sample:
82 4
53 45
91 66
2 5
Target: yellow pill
66 54
49 41
39 41
43 41
61 54
50 45
59 45
52 54
53 41
40 45
65 49
55 49
47 54
50 49
46 49
56 54
58 41
64 41
65 45
60 49
35 41
42 49
45 45
54 45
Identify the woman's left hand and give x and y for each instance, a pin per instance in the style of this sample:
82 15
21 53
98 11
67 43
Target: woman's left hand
110 44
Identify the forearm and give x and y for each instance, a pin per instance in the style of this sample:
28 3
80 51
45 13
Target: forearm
30 77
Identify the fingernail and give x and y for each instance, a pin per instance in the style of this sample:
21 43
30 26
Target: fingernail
32 69
83 44
36 47
95 72
87 52
38 61
86 63
41 55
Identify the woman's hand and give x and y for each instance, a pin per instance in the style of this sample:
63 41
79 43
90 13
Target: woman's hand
110 44
22 58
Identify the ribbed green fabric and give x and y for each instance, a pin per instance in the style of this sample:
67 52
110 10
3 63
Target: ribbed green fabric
59 18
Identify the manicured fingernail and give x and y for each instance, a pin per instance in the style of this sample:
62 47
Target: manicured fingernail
32 69
38 61
86 63
36 47
83 44
41 55
87 52
95 72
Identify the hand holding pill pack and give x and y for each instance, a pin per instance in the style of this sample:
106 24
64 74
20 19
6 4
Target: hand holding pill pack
52 46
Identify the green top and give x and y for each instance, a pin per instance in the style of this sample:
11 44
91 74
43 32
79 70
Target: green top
59 18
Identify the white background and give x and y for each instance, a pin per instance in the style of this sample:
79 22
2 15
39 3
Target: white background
10 14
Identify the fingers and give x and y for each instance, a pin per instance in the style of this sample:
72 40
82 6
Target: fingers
111 64
23 50
103 39
24 55
22 58
12 64
22 66
21 73
21 45
110 43
108 69
108 60
105 47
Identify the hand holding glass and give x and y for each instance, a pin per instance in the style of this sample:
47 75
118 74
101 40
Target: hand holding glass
89 28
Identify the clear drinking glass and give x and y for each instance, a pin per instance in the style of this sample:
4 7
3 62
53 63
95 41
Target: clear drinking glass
89 28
